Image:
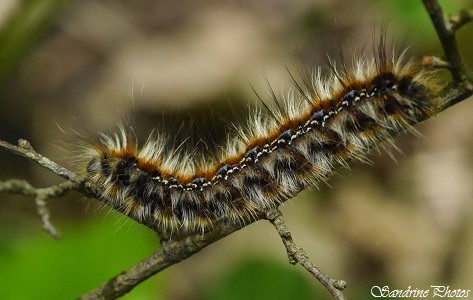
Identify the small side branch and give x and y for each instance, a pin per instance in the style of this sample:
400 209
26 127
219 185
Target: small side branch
461 19
21 187
298 255
446 34
25 149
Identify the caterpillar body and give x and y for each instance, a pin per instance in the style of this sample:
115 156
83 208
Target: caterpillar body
316 129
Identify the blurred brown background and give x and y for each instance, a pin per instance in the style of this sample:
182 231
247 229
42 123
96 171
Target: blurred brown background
77 64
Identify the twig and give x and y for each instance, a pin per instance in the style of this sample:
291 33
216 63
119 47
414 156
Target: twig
25 149
40 195
462 85
298 255
461 19
43 213
446 34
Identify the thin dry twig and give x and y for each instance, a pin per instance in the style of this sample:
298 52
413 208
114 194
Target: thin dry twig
40 195
446 34
465 16
298 255
25 149
172 252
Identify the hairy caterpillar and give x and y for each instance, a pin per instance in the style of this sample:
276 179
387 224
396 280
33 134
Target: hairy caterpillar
298 142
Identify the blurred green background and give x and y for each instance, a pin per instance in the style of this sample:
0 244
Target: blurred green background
76 64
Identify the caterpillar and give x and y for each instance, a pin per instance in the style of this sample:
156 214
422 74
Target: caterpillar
320 126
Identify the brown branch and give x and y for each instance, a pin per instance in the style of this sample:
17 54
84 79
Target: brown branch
25 149
298 255
446 34
461 86
40 195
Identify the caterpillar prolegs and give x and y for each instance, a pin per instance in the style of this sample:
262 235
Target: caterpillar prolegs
317 128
